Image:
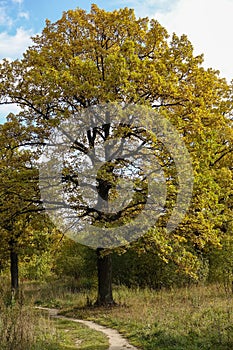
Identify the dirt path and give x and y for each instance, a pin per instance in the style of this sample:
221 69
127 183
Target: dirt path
116 341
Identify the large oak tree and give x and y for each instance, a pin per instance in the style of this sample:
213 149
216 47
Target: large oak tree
87 59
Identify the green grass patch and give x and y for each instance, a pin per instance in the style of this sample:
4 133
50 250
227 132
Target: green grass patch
79 336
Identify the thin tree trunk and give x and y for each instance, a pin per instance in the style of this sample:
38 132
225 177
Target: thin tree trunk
14 269
104 266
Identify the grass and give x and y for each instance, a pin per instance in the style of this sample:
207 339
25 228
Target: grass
73 336
22 327
198 317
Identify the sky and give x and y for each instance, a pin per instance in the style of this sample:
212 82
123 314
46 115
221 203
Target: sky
207 23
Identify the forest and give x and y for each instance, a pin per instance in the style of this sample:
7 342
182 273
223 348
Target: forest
116 188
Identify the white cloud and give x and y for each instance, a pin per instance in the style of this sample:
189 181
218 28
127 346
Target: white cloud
144 8
5 20
17 1
13 46
208 25
23 15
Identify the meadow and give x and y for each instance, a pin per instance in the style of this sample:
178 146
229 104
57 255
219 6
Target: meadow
188 318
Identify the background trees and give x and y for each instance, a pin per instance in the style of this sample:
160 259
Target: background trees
86 59
22 222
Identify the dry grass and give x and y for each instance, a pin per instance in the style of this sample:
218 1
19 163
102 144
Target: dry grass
20 326
199 317
192 318
16 328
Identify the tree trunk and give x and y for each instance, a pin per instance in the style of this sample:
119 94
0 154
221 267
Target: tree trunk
104 266
104 263
14 269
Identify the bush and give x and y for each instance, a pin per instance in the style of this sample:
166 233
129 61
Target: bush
77 264
147 270
37 267
221 264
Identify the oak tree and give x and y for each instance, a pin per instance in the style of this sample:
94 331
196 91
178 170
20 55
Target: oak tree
88 59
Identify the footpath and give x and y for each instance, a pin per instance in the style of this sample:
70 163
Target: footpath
116 341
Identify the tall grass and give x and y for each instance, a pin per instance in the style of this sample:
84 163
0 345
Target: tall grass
192 318
21 328
16 327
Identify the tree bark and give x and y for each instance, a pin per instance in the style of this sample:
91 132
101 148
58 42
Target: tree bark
14 269
104 266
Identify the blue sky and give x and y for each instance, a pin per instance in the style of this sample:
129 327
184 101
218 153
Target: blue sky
31 15
208 24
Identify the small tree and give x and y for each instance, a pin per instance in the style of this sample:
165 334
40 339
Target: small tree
20 209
